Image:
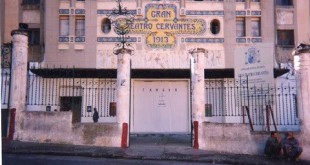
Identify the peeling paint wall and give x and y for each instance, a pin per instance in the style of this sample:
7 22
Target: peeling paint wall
57 127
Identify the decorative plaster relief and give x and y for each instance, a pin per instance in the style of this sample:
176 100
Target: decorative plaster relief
204 12
115 39
63 11
205 40
105 12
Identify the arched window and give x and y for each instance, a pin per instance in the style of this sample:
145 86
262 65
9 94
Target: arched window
215 26
106 25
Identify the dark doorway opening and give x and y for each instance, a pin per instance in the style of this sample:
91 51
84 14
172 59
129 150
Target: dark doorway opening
4 122
73 104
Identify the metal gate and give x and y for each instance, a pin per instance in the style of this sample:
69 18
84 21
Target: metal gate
265 108
160 107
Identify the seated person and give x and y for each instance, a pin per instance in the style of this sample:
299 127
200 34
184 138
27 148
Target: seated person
291 147
273 145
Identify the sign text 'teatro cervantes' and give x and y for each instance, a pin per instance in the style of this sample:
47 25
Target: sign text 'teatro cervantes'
161 25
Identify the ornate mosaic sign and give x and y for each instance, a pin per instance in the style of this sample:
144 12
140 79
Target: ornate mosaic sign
161 25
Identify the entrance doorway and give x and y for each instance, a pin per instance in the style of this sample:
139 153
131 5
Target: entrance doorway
160 107
72 104
4 122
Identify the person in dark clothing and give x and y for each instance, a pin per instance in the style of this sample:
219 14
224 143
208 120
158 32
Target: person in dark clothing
291 147
273 145
95 115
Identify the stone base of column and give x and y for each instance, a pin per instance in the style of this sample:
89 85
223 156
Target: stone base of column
124 143
12 124
196 143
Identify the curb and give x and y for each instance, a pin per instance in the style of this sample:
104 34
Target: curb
16 147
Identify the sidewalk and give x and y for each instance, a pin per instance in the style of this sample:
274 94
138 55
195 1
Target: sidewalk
141 151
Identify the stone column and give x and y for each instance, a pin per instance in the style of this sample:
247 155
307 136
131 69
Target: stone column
302 67
19 75
198 93
123 92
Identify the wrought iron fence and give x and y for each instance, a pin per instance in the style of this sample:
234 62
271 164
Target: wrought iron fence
268 105
58 93
224 99
5 87
6 55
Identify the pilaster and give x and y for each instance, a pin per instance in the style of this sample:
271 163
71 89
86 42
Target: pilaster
19 75
123 92
302 67
198 93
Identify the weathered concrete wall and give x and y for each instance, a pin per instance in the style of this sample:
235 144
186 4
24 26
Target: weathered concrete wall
233 138
57 127
238 139
10 18
305 143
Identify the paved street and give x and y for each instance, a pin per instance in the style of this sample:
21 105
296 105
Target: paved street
24 159
163 150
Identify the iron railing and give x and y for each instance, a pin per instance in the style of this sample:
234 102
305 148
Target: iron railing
5 87
230 99
6 55
96 93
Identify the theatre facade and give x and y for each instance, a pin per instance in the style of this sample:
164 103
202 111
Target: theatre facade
198 68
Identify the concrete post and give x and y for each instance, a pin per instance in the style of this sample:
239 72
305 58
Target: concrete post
19 75
302 66
123 92
198 93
